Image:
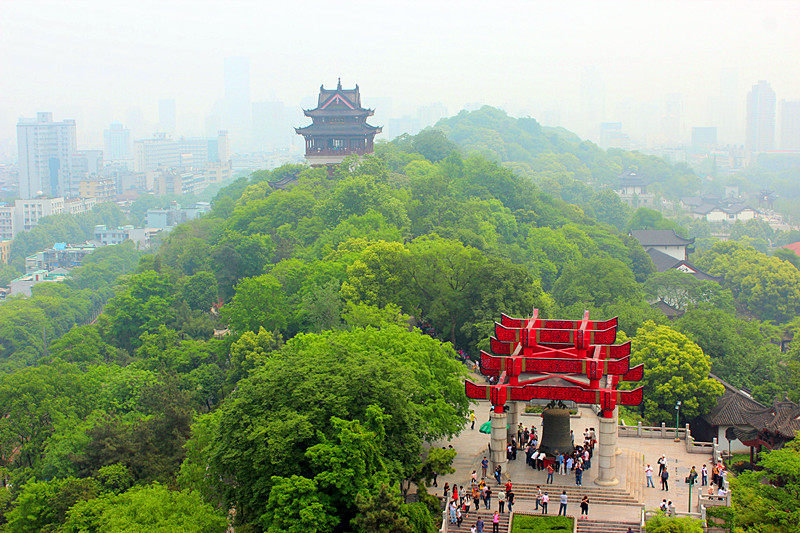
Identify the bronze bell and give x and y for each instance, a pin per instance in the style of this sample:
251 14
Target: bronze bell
555 432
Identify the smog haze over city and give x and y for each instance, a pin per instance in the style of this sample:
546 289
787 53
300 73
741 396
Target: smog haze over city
573 64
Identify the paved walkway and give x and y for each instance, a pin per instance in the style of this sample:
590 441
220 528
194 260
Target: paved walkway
472 446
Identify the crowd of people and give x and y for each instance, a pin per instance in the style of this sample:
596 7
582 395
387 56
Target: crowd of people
574 461
478 495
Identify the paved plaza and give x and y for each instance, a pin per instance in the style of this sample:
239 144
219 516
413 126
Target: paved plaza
472 446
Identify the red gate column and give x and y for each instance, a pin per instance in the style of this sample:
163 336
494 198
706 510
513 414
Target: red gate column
606 451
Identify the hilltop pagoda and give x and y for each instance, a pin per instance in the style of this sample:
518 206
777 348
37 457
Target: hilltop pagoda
339 127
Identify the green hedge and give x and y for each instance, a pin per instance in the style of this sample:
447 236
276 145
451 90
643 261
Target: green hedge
541 524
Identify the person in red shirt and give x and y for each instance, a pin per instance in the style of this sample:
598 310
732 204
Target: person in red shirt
508 485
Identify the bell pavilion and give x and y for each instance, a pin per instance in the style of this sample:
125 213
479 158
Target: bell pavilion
339 127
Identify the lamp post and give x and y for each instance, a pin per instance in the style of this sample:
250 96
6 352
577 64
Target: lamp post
677 412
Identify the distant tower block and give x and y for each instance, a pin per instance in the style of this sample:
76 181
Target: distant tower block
339 127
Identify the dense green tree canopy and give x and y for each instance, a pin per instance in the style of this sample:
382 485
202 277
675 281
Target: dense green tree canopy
676 369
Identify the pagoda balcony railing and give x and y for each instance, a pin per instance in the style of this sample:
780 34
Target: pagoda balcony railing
335 152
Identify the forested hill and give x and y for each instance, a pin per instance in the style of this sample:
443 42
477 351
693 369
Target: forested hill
545 153
317 283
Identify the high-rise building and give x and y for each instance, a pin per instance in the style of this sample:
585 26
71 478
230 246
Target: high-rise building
238 115
45 150
162 151
117 142
760 133
729 108
167 119
704 137
790 125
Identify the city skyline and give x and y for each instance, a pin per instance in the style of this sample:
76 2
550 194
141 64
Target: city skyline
116 62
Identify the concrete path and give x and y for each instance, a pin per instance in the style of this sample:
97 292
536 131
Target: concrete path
472 446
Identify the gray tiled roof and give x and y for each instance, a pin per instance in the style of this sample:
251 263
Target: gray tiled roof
659 237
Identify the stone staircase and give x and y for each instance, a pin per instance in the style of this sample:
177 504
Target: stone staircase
627 493
597 526
470 519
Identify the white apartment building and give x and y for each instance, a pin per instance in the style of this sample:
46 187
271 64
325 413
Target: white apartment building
29 212
7 222
45 150
164 152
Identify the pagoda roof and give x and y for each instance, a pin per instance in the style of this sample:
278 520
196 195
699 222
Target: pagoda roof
356 128
732 406
339 111
660 237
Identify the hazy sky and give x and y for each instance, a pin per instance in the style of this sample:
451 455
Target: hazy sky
93 60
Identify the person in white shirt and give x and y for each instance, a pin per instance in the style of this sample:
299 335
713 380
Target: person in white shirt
648 472
562 509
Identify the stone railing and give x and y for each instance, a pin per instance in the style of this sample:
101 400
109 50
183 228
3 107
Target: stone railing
651 432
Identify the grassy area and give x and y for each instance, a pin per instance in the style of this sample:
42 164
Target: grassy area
631 417
738 458
541 524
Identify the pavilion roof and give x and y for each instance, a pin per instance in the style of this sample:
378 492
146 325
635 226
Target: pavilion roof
356 128
732 407
660 237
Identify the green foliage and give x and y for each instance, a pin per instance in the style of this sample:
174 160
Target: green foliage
541 524
258 302
769 500
765 287
740 350
380 512
148 508
284 408
675 369
664 524
684 291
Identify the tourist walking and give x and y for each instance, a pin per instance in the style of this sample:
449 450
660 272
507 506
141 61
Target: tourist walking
549 474
704 475
459 516
665 480
484 466
648 472
472 419
446 490
562 509
488 499
538 497
498 471
585 508
579 475
496 523
545 501
510 500
453 512
501 500
479 525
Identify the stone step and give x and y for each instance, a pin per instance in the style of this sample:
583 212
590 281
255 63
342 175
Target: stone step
470 519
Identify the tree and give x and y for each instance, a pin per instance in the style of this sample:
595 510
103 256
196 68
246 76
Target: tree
147 508
596 281
295 506
765 287
664 524
676 369
769 500
284 408
380 513
258 302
